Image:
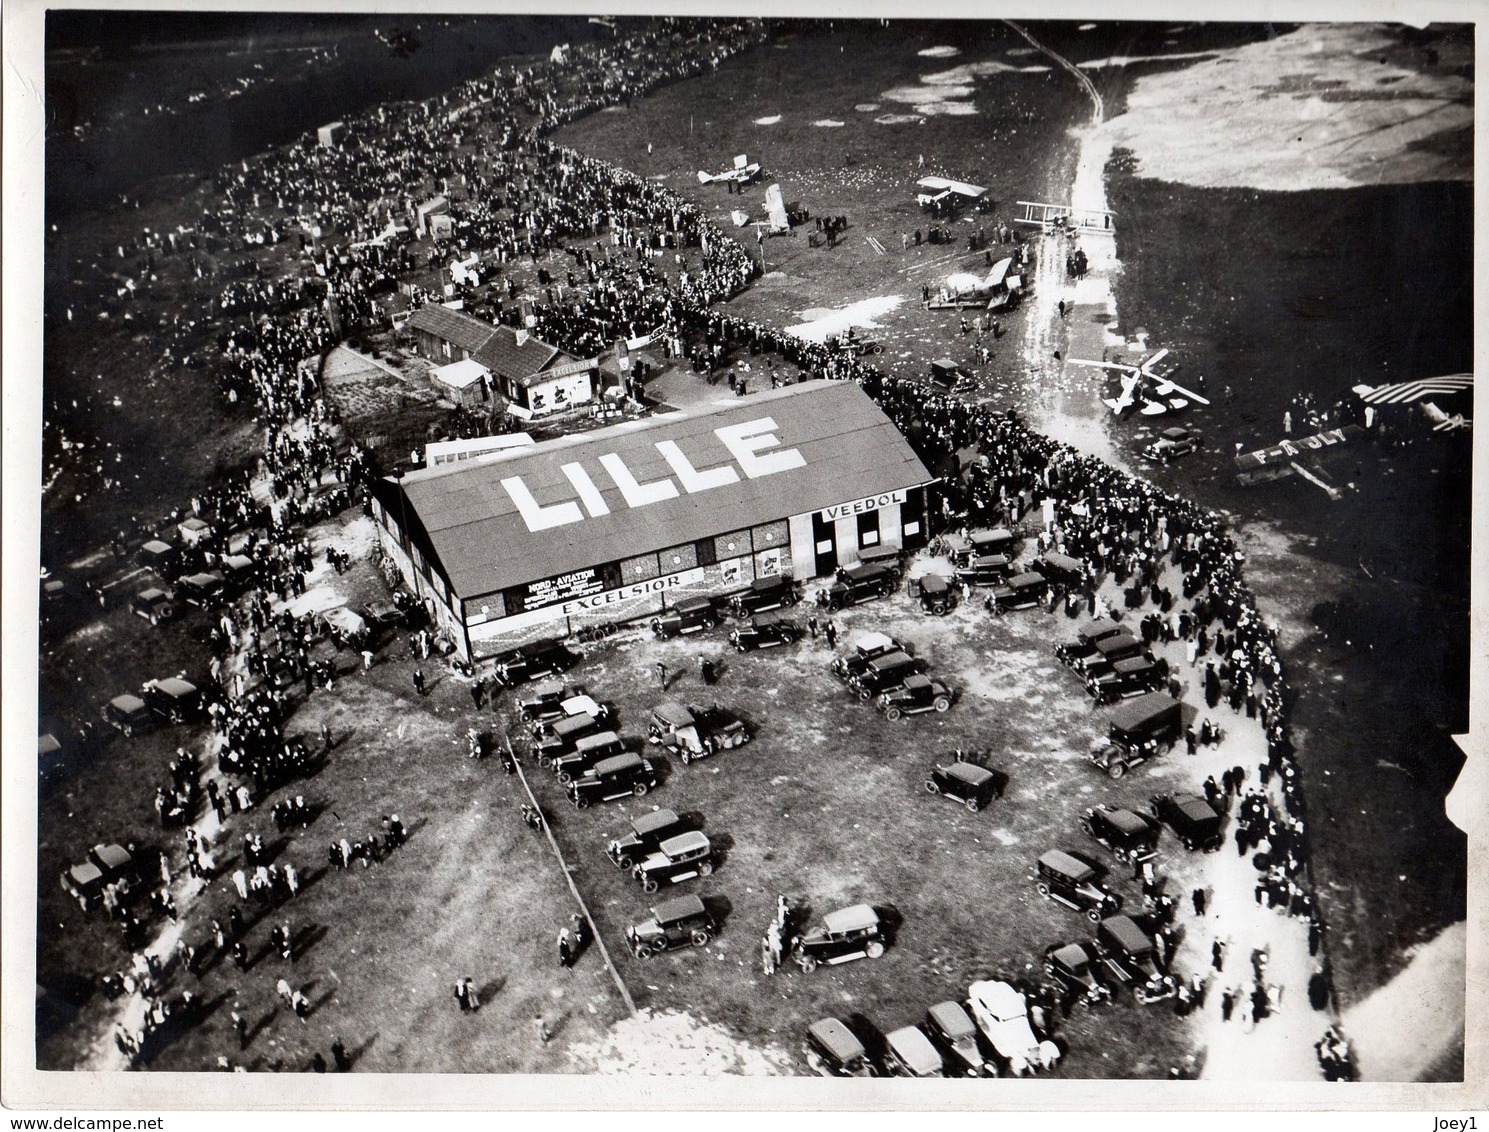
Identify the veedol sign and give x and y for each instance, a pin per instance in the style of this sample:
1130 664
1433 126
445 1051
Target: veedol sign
861 506
746 443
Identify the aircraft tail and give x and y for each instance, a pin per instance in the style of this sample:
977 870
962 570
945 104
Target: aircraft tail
703 178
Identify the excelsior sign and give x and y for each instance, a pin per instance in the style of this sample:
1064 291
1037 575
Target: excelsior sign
747 443
861 506
590 602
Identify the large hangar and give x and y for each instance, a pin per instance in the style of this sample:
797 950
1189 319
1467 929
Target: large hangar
614 524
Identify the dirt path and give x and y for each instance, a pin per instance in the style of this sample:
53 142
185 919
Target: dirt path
1416 1018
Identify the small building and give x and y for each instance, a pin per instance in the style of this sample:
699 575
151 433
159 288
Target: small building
557 389
330 135
440 452
536 378
467 383
618 523
443 335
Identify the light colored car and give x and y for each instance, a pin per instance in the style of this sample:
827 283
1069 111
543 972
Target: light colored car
1003 1016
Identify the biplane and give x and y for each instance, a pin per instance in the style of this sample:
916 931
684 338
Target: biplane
994 291
743 173
1145 390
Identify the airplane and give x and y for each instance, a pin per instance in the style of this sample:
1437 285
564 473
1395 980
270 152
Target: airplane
996 290
743 173
382 237
1141 386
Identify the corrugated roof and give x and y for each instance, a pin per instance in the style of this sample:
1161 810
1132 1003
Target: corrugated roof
503 356
456 327
849 451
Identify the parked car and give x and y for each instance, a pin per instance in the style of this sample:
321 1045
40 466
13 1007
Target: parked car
647 832
1074 967
679 858
695 733
543 702
847 934
887 556
1022 591
999 541
153 604
536 661
867 648
683 922
985 570
857 584
1140 730
1084 645
173 699
589 750
161 557
129 714
1130 836
765 631
1002 1014
205 589
833 1050
194 531
562 738
1130 958
909 1053
765 594
883 673
935 594
1135 676
1107 651
952 1028
382 615
346 628
617 777
950 377
1060 569
690 615
573 707
916 696
1193 820
238 572
105 865
1075 883
972 785
1173 443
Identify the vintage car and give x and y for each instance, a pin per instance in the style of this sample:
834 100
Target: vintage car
950 377
763 595
883 673
153 604
982 544
173 699
952 1028
543 702
572 707
194 531
1173 443
238 571
1135 676
128 714
1130 959
1076 884
84 881
1191 817
695 733
856 584
382 615
536 661
1060 569
160 557
1084 646
972 785
1002 1014
887 556
683 922
346 628
1106 651
589 750
832 1050
679 858
105 865
1140 730
1074 967
1022 591
847 934
647 832
617 777
869 647
562 737
205 589
764 632
690 615
985 570
1131 836
935 594
916 696
909 1053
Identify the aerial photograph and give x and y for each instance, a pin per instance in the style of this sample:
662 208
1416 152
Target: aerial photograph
636 546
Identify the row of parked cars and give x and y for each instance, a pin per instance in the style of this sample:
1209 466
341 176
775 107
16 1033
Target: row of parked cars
1112 663
167 701
878 669
971 1038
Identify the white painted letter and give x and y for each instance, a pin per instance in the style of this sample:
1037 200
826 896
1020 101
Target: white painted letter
534 514
637 494
745 440
691 478
594 502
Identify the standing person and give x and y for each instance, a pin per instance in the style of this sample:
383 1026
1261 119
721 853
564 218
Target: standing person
367 657
240 1027
832 634
419 681
1198 896
462 996
705 670
338 1055
565 949
661 671
542 1030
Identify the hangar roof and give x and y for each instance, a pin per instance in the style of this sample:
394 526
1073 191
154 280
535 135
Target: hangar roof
521 516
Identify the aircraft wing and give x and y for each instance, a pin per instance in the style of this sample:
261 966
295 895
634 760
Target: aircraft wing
1126 400
1106 365
1166 385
